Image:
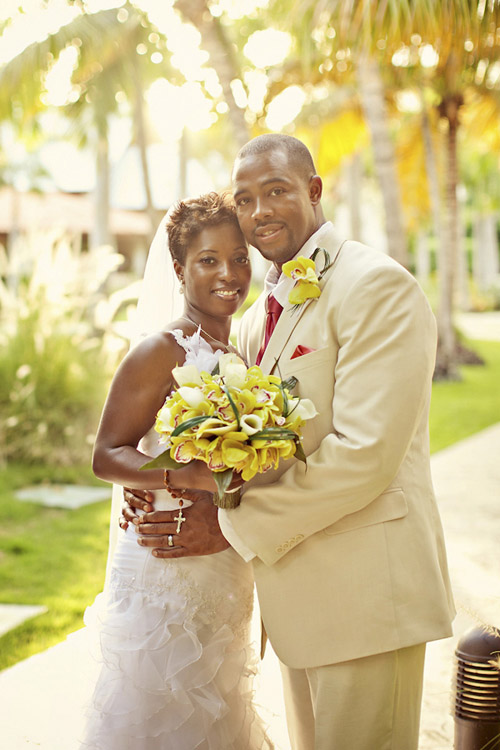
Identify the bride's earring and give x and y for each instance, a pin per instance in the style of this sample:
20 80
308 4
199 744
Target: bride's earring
181 287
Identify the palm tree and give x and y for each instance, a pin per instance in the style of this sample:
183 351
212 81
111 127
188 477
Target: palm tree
215 41
115 48
359 34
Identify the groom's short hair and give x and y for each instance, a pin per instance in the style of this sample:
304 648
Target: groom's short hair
297 152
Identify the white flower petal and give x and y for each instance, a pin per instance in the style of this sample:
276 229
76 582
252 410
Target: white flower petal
230 358
192 396
187 374
235 374
250 424
304 410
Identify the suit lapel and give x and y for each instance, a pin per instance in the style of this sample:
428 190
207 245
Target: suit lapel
291 316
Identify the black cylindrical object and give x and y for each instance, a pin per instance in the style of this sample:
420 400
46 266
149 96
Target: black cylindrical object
477 690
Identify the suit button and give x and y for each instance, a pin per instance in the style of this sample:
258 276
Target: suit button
279 550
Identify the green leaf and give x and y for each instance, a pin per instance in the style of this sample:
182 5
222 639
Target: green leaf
223 479
289 383
188 424
275 433
233 405
327 262
163 461
299 452
216 370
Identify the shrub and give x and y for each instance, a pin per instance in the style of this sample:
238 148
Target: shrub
55 359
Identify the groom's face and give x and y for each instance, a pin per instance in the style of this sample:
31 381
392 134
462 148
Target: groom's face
275 204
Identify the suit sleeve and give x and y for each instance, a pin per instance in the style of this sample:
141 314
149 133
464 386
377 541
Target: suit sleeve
387 345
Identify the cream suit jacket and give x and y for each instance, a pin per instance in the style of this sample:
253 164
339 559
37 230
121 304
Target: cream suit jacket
350 557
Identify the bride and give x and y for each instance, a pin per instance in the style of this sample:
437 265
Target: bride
173 634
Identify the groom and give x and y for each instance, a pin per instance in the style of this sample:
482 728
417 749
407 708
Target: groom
348 554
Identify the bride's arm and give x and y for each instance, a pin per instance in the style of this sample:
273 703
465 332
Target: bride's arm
137 392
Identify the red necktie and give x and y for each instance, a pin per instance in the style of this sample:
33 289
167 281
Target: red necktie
274 310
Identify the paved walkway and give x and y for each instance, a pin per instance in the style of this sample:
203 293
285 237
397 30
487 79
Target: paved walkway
41 698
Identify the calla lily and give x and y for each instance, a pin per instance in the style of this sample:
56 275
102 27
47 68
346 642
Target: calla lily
250 424
164 420
215 426
302 408
187 375
230 358
192 396
235 374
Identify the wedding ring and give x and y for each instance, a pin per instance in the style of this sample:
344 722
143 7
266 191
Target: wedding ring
170 540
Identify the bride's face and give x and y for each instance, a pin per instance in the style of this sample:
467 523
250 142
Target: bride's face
216 271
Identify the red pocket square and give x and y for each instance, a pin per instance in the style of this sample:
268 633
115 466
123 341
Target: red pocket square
301 350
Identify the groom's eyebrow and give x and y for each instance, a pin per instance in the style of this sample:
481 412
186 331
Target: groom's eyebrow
278 178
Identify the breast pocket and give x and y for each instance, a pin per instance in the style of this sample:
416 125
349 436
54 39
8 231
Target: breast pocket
311 359
389 506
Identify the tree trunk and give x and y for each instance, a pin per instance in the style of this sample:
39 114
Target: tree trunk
448 259
354 179
463 294
423 264
101 234
372 96
433 185
485 251
219 48
183 161
142 144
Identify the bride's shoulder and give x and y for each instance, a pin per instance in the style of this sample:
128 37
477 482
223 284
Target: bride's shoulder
158 350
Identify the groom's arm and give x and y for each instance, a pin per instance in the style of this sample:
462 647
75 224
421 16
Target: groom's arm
383 374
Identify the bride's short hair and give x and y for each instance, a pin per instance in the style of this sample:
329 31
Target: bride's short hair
187 218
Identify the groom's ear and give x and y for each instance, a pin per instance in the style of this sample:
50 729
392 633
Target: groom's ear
315 189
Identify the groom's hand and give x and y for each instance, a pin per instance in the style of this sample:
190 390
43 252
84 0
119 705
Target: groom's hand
137 502
199 534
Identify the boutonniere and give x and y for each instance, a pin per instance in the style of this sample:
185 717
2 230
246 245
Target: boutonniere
303 271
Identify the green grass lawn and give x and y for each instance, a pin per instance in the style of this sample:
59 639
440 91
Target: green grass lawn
48 556
461 408
57 557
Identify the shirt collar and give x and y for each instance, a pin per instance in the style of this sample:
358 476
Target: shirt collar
279 284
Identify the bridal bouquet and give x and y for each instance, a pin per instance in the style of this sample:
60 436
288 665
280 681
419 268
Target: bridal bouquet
234 419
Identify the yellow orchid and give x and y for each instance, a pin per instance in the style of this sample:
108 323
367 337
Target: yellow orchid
302 291
303 271
235 419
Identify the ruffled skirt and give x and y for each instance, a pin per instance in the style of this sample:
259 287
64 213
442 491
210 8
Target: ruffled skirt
173 637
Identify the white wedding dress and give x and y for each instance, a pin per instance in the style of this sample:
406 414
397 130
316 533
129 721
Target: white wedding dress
173 637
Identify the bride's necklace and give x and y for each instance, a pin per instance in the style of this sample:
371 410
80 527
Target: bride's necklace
228 347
